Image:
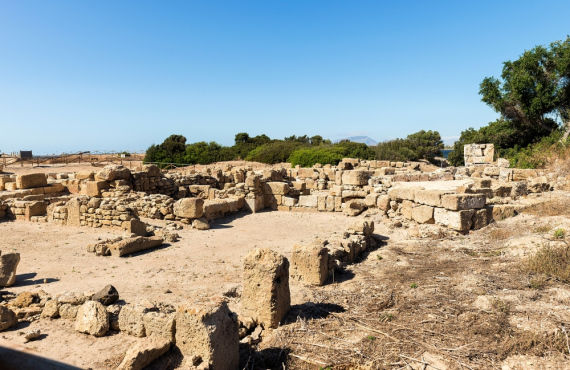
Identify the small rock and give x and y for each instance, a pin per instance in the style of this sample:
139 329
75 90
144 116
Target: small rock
108 295
8 264
32 335
7 318
92 318
200 224
143 353
51 309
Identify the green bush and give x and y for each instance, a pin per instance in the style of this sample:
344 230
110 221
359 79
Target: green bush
330 154
307 157
274 152
419 145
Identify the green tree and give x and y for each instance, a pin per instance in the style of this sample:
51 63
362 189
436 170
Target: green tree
534 91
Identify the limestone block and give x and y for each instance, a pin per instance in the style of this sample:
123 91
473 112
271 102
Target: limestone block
7 318
355 177
93 188
159 324
309 264
423 214
308 201
273 187
32 180
136 244
403 193
254 204
266 295
429 197
457 220
481 218
131 319
406 209
8 264
113 172
143 353
189 208
134 226
208 335
457 202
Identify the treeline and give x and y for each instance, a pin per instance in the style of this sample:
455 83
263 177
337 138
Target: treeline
532 97
297 150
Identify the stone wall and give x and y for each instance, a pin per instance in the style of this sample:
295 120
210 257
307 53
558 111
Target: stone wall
478 153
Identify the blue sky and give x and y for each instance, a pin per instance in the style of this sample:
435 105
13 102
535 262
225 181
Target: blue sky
121 75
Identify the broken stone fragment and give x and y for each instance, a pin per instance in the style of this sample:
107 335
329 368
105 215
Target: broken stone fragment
7 318
92 318
266 295
207 335
8 264
143 353
136 244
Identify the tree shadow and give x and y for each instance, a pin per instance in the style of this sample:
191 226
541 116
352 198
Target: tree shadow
27 279
310 310
269 358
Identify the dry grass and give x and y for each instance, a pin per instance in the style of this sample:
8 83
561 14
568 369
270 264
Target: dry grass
555 207
551 261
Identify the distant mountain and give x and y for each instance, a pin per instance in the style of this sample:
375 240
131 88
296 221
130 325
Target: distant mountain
363 139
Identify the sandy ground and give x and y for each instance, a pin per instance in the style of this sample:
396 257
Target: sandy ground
201 264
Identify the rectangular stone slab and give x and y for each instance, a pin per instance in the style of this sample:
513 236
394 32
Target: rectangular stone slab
136 244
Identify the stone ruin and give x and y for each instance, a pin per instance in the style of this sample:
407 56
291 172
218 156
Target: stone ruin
208 334
478 154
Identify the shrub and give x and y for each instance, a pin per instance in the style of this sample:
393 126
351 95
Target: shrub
552 262
274 152
419 145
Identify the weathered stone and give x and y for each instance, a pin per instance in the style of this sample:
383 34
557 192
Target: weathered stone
7 318
310 201
456 202
37 208
143 353
131 319
383 203
159 324
200 224
189 208
502 211
429 197
423 214
266 295
106 296
309 264
503 162
93 188
136 244
354 207
254 204
289 201
355 177
457 220
272 187
403 193
113 172
478 153
364 227
481 218
406 209
208 335
68 311
8 264
134 226
25 299
32 180
51 309
92 318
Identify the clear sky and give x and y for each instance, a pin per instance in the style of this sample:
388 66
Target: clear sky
121 75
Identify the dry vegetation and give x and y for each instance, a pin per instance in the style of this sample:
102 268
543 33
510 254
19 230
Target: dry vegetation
457 303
